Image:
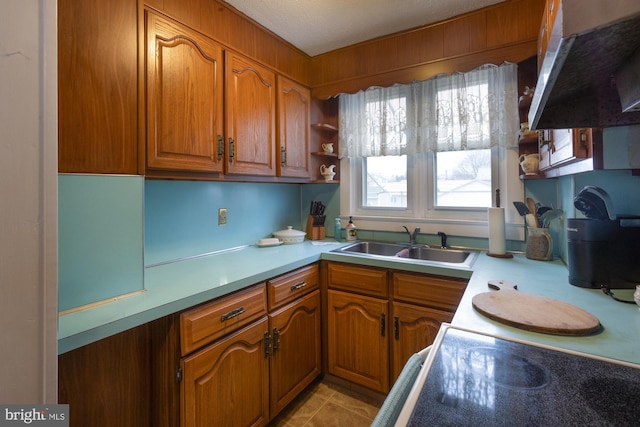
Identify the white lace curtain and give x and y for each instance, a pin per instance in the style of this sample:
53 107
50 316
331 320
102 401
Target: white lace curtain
462 111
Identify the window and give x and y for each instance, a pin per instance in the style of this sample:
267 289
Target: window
385 183
432 152
463 179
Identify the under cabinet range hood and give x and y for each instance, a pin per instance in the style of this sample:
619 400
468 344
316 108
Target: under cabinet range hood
590 57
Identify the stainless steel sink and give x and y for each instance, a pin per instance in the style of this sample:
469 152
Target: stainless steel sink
439 255
374 248
418 253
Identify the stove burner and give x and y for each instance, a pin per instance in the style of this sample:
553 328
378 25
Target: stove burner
506 369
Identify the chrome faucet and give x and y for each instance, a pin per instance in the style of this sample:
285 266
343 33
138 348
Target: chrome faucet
443 239
412 236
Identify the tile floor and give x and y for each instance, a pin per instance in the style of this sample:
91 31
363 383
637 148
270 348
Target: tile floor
327 404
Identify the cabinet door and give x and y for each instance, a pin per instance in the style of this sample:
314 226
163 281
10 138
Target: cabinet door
107 382
563 146
296 353
358 344
227 383
414 328
184 98
251 117
97 87
293 129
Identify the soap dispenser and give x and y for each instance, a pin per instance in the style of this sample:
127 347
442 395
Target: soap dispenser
351 230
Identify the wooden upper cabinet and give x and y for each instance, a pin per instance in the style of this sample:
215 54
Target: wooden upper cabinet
97 87
250 117
184 116
294 105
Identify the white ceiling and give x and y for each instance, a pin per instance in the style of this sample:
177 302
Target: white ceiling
319 26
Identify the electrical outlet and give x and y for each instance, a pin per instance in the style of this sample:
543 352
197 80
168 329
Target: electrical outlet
222 216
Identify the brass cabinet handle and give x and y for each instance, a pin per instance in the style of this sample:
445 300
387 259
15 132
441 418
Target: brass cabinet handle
267 344
233 313
396 328
298 286
232 149
276 340
220 147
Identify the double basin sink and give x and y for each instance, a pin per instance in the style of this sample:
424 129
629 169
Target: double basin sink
418 253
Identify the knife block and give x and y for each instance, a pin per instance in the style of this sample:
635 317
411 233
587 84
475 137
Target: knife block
314 232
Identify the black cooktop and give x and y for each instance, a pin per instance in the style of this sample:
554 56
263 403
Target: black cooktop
477 380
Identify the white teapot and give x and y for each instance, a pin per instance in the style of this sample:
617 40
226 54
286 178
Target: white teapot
327 172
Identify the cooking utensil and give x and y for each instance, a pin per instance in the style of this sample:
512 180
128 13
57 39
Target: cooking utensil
531 221
541 210
531 204
522 208
546 217
533 312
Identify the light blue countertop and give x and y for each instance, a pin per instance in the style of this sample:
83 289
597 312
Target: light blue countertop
175 286
619 338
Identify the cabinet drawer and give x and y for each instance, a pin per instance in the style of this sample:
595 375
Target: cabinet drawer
369 281
432 291
217 318
292 285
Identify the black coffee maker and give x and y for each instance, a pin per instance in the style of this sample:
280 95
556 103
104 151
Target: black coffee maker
603 248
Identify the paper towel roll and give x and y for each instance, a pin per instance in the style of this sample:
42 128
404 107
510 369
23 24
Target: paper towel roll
497 243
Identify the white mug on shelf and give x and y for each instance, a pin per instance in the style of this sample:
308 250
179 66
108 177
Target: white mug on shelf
328 147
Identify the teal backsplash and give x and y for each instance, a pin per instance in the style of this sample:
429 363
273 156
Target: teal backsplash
110 227
100 252
181 217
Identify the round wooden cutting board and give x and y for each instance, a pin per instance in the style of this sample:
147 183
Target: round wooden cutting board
533 312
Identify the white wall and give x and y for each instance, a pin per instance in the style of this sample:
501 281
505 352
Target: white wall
28 201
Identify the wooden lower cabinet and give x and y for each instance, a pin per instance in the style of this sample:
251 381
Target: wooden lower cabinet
358 343
227 383
106 383
244 370
296 350
414 328
377 318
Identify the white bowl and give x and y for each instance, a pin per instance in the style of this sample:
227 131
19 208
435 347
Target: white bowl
290 236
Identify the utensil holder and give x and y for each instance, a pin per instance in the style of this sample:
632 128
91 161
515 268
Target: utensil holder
314 231
539 244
